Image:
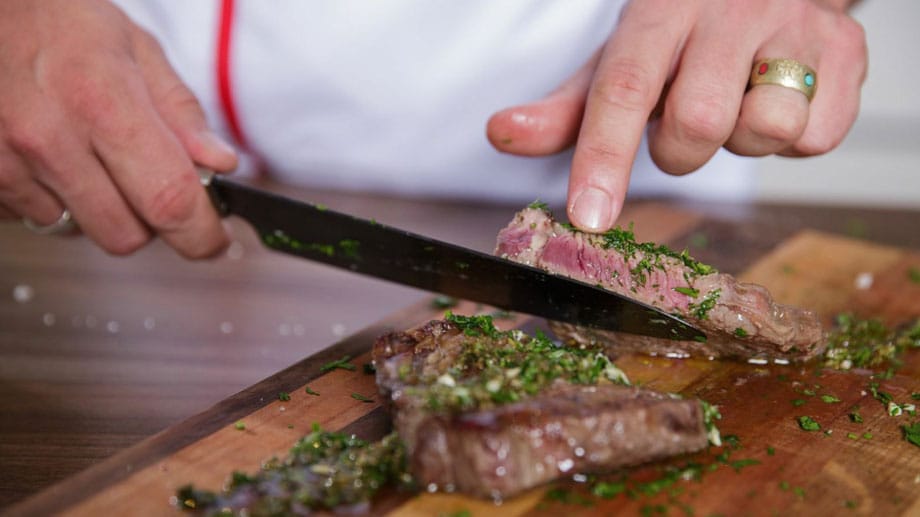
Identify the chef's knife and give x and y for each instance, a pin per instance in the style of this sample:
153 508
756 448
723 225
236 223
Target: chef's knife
368 247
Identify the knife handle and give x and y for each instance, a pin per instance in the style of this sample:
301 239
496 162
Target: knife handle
206 176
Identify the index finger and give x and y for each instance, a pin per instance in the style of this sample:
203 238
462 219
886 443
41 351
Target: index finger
627 84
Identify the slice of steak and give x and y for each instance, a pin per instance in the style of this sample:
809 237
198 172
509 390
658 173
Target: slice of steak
495 441
565 430
741 320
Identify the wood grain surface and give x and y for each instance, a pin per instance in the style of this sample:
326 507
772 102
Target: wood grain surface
807 473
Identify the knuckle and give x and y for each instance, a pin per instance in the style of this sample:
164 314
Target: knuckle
627 86
173 204
704 118
28 137
606 154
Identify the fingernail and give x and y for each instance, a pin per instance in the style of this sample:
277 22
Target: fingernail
591 210
210 139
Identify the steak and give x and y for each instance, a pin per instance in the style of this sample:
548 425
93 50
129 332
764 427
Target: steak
492 413
740 320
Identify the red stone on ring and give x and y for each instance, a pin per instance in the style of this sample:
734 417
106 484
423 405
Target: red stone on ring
763 68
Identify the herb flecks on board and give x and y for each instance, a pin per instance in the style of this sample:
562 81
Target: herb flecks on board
868 343
323 470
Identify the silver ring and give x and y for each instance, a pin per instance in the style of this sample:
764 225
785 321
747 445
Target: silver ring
64 224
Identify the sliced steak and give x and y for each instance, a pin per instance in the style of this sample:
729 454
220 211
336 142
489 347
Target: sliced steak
496 445
565 430
741 320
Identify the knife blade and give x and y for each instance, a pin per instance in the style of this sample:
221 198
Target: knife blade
365 246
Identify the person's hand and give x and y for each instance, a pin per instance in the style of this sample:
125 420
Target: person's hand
94 119
703 50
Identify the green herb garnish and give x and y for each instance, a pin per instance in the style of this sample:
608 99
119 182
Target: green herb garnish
701 310
310 391
914 275
362 398
740 332
770 451
324 470
443 302
868 343
507 366
284 396
689 291
798 402
855 417
339 364
239 425
539 205
912 433
808 423
829 399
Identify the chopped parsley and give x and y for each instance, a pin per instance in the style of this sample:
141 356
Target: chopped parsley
740 332
798 402
323 470
913 274
867 343
808 423
829 399
539 205
689 291
284 396
647 256
443 302
310 391
239 425
855 417
339 364
362 398
770 451
912 433
701 310
509 366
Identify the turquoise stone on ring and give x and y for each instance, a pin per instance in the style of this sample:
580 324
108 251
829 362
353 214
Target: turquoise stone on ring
809 80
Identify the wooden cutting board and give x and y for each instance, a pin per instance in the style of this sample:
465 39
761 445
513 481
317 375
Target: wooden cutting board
780 469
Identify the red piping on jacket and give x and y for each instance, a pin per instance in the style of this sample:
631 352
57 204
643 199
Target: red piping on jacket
224 85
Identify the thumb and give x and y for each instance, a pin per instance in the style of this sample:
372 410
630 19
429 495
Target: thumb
547 126
179 107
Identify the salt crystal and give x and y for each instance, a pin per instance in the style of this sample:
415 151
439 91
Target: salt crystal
863 281
23 293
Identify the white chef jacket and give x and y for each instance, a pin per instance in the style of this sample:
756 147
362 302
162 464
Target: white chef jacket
393 96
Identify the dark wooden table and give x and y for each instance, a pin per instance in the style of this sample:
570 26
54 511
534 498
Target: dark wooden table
97 352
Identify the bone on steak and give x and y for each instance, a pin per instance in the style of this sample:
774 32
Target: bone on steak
503 449
740 320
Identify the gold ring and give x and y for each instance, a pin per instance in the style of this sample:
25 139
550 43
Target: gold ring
785 72
64 224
